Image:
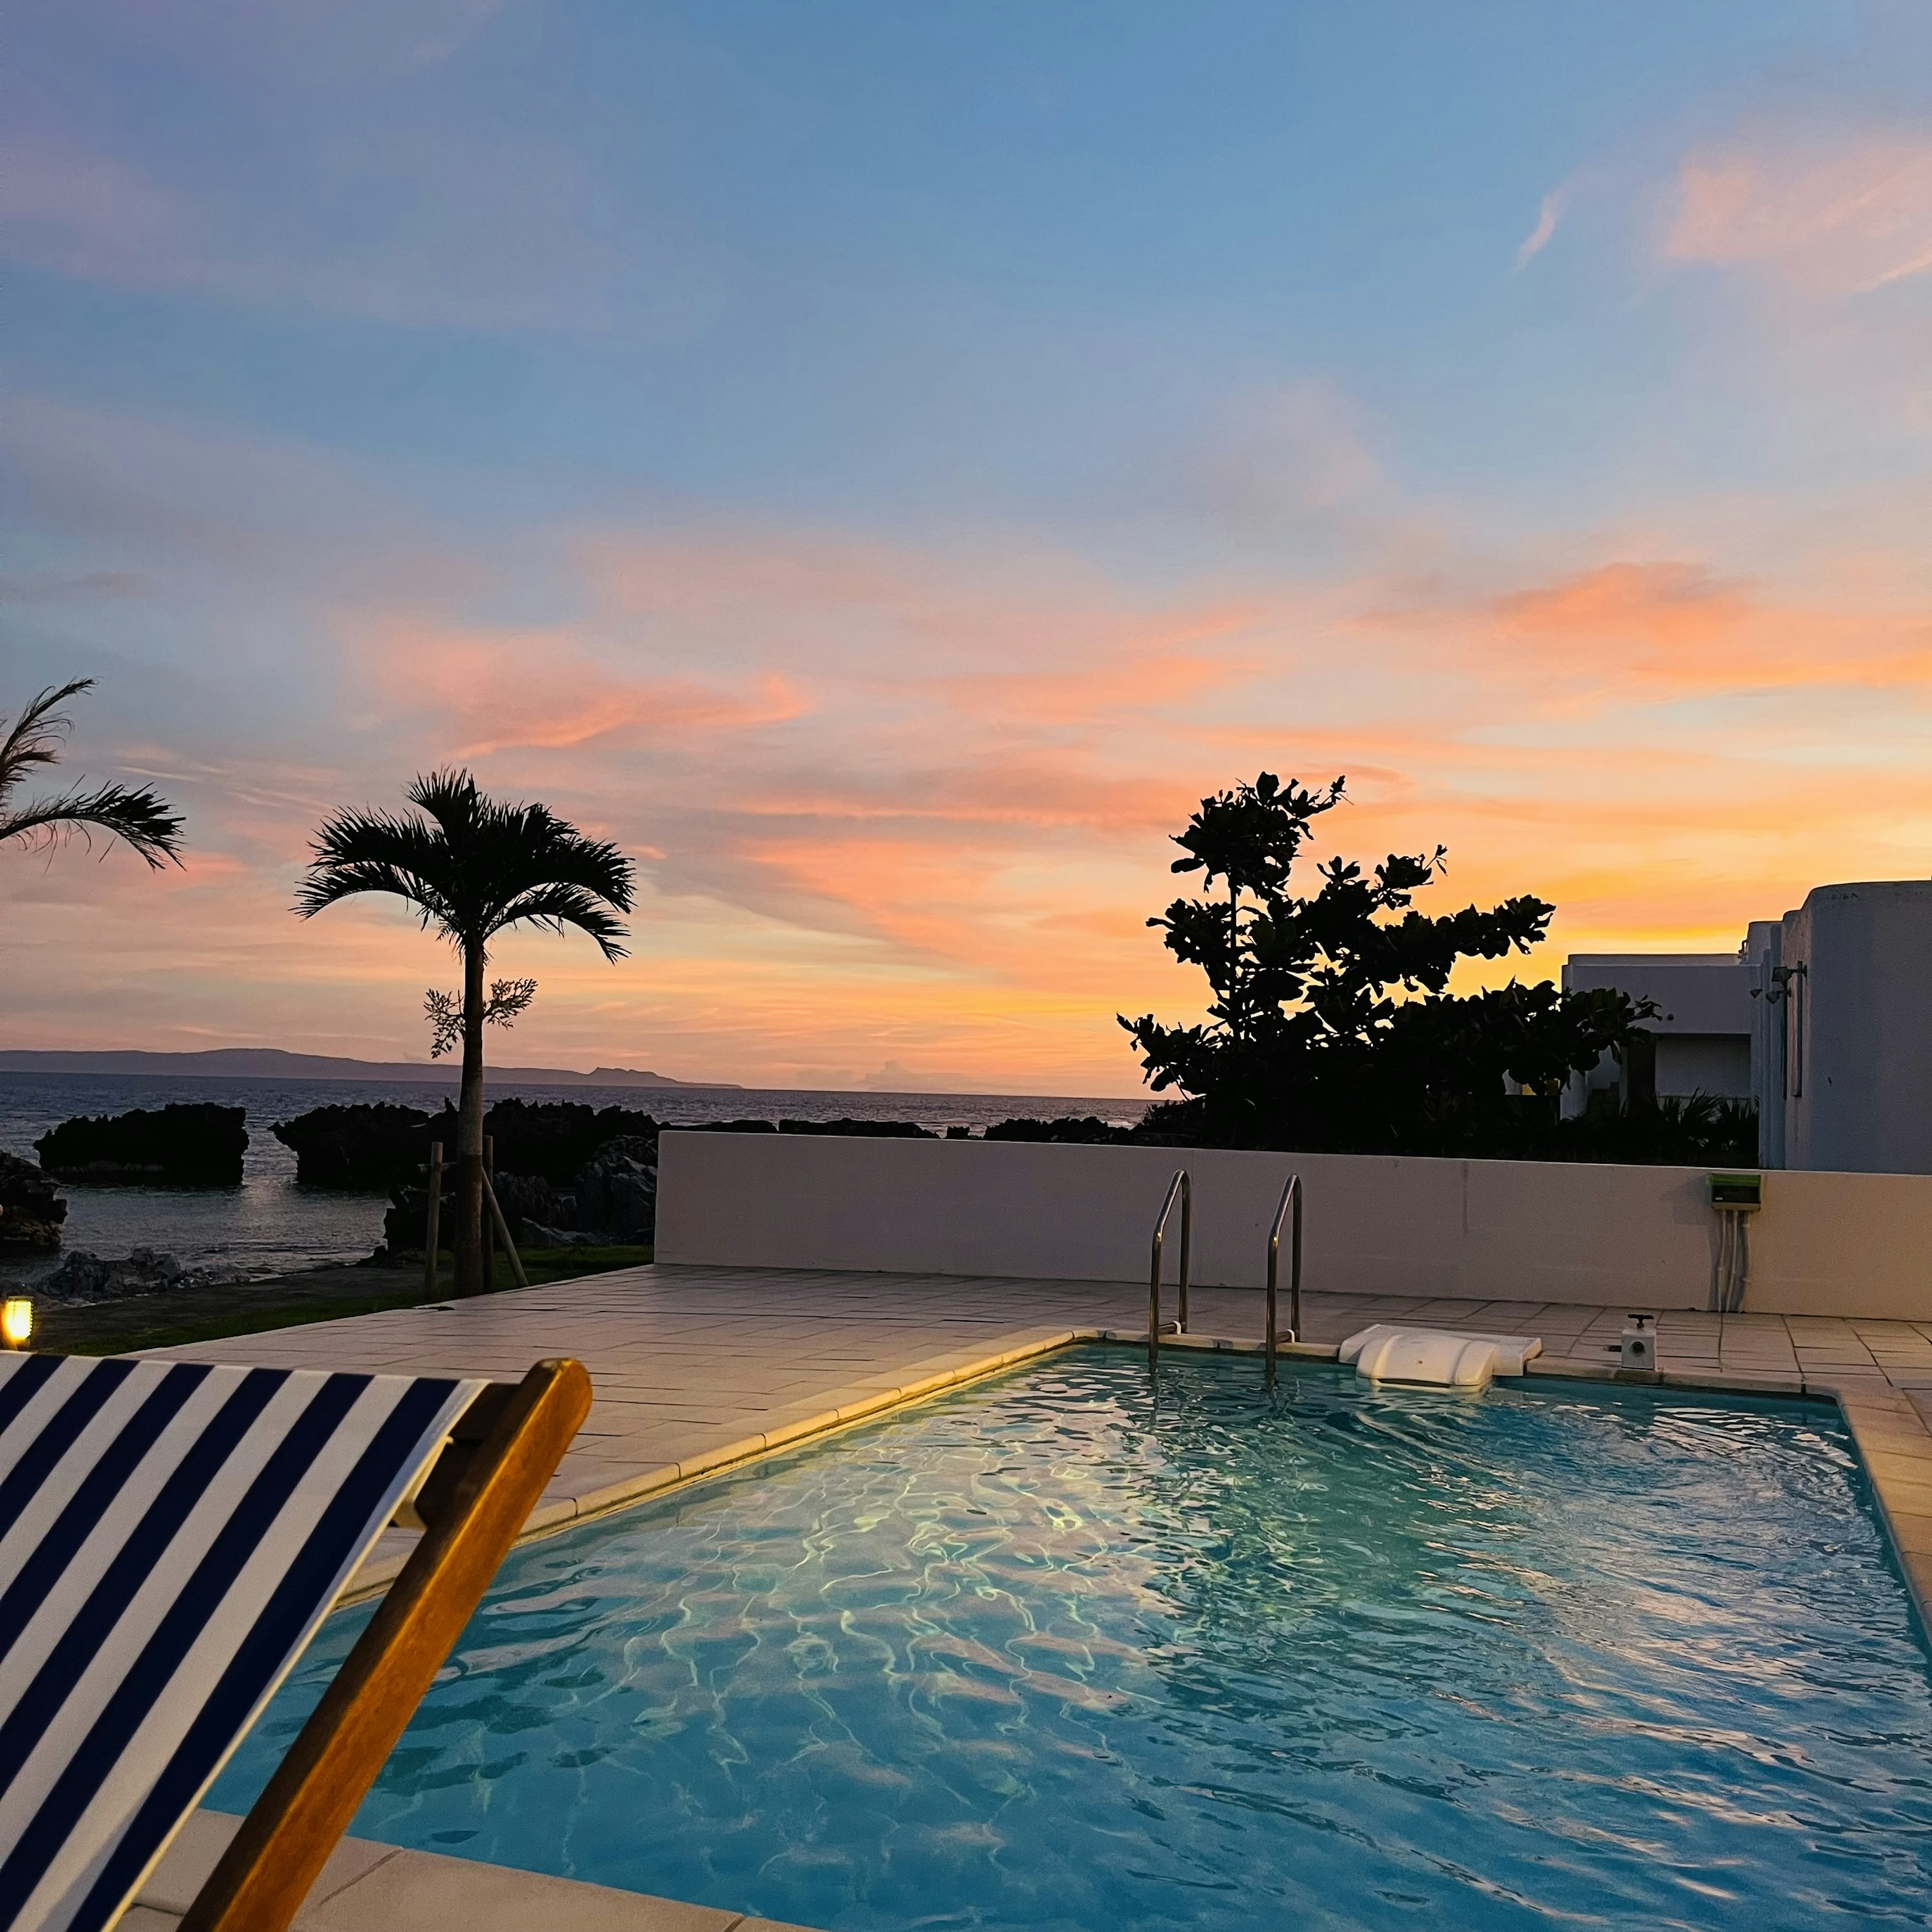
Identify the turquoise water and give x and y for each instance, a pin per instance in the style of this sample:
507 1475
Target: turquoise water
1055 1653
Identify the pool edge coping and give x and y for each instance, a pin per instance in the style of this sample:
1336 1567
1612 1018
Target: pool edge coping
1886 1429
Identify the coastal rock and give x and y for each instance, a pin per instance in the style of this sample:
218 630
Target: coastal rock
617 1194
1088 1131
406 1224
553 1139
528 1199
369 1148
83 1277
536 1235
611 1202
196 1145
387 1147
31 1210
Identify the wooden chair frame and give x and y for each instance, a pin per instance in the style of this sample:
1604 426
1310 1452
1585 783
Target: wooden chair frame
504 1450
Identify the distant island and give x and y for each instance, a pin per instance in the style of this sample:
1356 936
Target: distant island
271 1063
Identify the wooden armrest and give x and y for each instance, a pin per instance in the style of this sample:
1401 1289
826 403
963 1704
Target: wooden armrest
503 1453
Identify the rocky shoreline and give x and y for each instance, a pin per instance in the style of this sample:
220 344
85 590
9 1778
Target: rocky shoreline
568 1175
31 1212
191 1145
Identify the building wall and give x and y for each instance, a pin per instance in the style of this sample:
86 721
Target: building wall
1763 955
1844 1244
1699 992
1703 1032
1856 1028
1717 1064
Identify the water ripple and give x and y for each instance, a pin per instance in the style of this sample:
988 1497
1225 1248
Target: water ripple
1053 1654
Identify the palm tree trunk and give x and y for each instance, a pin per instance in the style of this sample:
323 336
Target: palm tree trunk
470 1278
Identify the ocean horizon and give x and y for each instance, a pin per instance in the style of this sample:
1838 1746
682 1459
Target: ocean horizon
269 1226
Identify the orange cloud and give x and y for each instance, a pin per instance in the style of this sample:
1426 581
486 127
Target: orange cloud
1656 631
891 806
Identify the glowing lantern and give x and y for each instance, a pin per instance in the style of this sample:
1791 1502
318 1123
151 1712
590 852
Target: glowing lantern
17 1321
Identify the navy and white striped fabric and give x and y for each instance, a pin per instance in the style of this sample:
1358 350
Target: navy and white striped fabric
171 1535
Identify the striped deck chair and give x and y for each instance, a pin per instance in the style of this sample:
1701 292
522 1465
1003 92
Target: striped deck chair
172 1533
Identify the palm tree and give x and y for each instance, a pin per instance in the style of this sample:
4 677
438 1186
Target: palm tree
133 813
471 869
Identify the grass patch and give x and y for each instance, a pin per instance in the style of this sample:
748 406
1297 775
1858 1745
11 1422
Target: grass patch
544 1265
327 1295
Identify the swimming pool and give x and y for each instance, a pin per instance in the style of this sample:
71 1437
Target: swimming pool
1056 1652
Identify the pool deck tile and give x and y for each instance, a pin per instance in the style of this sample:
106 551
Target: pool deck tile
367 1887
696 1369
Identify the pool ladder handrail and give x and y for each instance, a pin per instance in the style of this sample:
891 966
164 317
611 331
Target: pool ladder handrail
1183 1185
1291 1193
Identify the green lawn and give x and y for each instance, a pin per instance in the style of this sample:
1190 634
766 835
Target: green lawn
326 1295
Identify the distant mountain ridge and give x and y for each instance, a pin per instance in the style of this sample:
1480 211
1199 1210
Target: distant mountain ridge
272 1063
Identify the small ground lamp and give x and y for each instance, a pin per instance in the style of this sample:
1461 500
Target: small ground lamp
16 1321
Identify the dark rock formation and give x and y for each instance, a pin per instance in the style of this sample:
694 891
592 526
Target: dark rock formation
555 1139
370 1148
612 1201
1091 1131
528 1199
84 1277
406 1225
30 1211
570 1174
198 1145
617 1194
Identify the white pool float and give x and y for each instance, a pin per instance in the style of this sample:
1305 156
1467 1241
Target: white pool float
1512 1350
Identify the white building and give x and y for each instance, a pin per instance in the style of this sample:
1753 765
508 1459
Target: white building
1821 1017
1702 1029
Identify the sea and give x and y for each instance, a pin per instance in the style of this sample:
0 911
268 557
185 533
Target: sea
269 1225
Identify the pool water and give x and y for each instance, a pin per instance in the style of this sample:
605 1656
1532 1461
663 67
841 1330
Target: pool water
1069 1650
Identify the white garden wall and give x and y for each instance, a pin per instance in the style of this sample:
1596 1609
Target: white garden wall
1824 1244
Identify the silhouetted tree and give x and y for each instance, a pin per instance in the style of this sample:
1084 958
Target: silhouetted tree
133 813
1330 1026
472 868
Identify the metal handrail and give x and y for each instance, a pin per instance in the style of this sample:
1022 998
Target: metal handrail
1291 1192
1183 1186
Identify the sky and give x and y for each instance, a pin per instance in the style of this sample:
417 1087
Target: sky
882 464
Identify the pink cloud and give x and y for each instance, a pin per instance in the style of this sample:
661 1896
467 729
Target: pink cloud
86 213
492 692
1833 216
894 805
1540 237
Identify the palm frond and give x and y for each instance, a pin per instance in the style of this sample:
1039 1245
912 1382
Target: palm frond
382 852
38 734
471 866
138 816
558 905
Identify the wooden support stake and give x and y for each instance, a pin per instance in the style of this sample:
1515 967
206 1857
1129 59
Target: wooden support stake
489 1222
503 1231
435 1219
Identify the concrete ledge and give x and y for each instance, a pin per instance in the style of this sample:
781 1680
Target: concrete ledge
1582 1233
366 1887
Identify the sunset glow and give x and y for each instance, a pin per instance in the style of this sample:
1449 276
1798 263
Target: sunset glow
883 466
